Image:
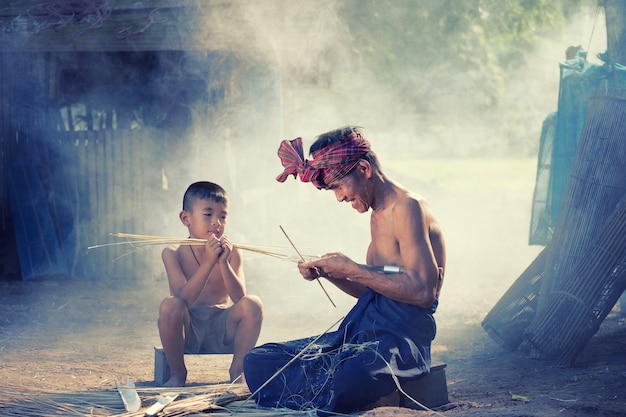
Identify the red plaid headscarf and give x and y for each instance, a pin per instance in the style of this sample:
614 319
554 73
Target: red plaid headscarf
328 164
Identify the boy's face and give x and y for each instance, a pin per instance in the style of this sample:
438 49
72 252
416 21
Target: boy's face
206 218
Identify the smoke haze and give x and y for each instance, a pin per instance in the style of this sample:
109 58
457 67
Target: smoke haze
483 202
296 62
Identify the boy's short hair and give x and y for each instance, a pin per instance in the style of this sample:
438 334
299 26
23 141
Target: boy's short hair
203 190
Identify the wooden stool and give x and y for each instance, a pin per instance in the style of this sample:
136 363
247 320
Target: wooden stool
162 368
430 390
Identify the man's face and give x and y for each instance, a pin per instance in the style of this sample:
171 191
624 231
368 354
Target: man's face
207 218
351 189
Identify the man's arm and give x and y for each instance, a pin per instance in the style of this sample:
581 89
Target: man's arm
416 285
412 226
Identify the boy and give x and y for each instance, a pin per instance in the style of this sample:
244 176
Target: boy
196 317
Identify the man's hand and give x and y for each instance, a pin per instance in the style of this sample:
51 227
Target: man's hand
309 273
332 265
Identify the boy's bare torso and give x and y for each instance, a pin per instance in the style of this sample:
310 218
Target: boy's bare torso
214 292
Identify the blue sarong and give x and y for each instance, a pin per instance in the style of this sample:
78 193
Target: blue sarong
344 370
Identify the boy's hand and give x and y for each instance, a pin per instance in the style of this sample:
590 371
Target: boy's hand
213 248
227 248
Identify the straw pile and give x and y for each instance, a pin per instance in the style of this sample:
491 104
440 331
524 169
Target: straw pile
192 401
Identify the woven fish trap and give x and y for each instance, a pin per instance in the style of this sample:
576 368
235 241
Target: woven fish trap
507 320
597 182
575 311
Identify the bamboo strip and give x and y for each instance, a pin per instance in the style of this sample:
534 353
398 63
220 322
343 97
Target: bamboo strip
148 240
304 260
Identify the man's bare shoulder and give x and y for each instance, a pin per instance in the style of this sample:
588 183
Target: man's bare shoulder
408 202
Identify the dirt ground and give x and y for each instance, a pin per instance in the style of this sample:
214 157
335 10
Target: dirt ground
66 335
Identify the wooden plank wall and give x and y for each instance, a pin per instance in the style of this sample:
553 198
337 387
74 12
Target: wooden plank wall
115 180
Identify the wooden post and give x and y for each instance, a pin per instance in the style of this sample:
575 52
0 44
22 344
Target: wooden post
615 12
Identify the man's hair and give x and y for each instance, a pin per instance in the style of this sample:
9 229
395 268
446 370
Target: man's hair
203 190
328 138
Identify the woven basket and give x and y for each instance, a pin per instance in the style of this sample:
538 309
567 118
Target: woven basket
574 312
506 321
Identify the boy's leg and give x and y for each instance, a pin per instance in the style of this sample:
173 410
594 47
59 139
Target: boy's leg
243 327
173 319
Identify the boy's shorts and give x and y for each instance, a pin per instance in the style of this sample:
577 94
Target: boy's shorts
207 330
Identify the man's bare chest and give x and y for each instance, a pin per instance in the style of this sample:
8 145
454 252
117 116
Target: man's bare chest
384 244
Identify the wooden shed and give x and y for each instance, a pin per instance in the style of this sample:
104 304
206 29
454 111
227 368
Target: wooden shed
98 99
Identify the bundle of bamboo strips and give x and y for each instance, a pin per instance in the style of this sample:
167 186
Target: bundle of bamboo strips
147 240
138 240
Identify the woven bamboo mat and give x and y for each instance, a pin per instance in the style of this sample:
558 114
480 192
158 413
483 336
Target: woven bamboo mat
596 184
585 297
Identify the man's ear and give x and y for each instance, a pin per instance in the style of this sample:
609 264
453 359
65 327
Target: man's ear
365 168
184 217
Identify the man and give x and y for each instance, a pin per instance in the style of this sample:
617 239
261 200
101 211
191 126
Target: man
385 339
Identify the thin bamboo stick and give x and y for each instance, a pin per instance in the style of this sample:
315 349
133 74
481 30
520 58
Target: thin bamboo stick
303 260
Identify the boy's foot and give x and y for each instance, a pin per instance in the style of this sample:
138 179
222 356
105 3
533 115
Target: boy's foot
175 381
241 379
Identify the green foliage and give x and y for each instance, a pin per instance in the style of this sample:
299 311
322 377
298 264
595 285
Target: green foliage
460 44
515 27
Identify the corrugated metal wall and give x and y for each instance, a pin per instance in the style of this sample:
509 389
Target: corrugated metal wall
96 182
